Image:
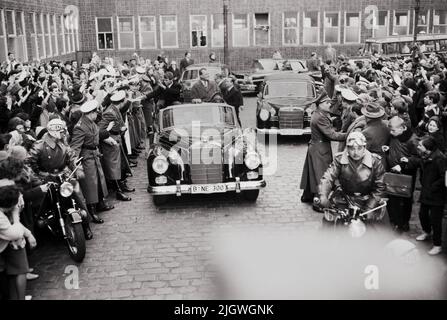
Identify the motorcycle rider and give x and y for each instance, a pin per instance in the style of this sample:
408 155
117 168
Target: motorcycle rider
359 172
50 156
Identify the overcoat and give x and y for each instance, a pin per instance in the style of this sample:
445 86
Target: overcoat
319 153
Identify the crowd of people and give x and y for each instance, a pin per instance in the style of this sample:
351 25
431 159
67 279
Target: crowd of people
389 117
54 115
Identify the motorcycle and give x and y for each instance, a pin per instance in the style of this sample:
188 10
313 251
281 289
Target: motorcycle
60 214
347 213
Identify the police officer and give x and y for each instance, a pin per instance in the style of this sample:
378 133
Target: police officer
359 173
112 153
84 143
51 156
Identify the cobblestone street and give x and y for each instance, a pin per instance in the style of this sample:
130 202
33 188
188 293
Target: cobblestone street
144 252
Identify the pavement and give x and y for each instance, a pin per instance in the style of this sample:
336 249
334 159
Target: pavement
145 252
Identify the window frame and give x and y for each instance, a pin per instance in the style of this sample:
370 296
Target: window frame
387 25
125 32
104 34
33 36
140 32
359 28
62 34
191 30
394 21
324 27
297 28
213 45
318 28
56 50
254 29
161 32
427 26
247 28
438 25
48 35
4 37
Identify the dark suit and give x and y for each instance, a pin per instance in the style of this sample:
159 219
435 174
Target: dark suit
234 98
169 95
184 63
199 91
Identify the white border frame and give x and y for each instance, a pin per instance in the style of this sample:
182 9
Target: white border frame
319 28
140 32
125 32
212 31
161 32
206 31
359 28
324 27
394 20
269 31
297 29
104 33
232 29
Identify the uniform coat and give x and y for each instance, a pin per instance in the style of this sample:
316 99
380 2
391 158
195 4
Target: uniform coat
84 143
199 91
112 154
319 153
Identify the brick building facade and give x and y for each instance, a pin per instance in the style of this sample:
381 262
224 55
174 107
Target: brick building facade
256 28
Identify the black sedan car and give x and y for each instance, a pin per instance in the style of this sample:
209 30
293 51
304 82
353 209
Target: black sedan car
201 149
285 104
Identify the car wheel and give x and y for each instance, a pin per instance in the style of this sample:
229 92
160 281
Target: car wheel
250 195
159 200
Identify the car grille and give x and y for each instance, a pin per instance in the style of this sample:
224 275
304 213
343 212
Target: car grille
291 119
206 172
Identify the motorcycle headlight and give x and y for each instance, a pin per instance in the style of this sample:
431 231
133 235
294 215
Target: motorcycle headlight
252 161
66 189
160 164
264 115
329 216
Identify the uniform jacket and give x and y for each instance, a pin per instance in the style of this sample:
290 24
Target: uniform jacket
51 157
365 178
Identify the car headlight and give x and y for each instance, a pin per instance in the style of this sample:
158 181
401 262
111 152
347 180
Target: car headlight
160 164
66 189
264 115
252 161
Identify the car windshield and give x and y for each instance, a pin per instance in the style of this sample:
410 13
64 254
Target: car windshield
204 114
193 74
288 89
265 65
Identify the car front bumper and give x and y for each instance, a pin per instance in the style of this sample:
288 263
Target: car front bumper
180 189
285 132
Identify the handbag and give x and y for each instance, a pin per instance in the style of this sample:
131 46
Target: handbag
398 185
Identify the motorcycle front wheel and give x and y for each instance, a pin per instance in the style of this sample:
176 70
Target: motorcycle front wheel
75 240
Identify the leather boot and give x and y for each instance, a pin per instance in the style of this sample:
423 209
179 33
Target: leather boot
102 206
119 193
95 218
88 234
124 187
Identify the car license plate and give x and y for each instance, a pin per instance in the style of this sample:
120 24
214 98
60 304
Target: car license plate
208 188
291 132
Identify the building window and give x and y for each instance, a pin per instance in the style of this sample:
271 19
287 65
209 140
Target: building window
40 35
61 35
47 31
104 30
126 33
54 35
290 28
401 23
217 29
31 17
440 21
261 29
352 27
332 27
15 34
241 36
423 21
3 50
169 37
311 27
382 23
198 31
148 32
